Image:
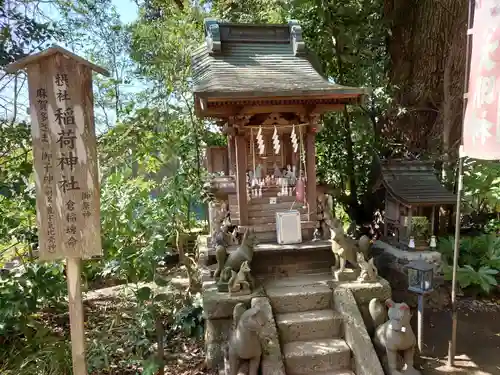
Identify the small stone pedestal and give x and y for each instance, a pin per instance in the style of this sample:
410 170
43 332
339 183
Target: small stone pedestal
348 274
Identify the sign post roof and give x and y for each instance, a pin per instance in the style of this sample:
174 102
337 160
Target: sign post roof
54 49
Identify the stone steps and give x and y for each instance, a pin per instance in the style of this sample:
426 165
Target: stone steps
299 298
304 357
310 330
308 325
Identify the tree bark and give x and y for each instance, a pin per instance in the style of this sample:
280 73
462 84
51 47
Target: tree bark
427 50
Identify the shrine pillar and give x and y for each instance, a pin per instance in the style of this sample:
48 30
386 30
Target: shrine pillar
231 153
241 177
310 149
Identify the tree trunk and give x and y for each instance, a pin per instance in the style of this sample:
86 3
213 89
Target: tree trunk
427 51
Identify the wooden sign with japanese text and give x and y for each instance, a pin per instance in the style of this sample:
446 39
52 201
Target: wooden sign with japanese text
65 158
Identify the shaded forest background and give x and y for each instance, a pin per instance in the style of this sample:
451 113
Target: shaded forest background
411 54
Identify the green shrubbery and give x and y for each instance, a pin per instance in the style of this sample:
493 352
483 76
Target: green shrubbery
479 261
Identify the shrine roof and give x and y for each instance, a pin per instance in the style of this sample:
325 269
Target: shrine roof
261 61
414 182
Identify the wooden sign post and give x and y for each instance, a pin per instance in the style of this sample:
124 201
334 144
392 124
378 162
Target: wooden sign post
66 172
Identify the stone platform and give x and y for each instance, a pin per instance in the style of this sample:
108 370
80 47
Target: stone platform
274 260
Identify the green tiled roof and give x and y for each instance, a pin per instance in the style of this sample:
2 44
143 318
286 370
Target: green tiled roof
242 60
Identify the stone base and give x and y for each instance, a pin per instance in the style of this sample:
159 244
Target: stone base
245 292
348 274
222 287
398 259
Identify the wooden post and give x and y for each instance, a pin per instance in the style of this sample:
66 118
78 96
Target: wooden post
241 178
311 172
433 220
420 323
231 152
410 216
386 214
66 174
73 272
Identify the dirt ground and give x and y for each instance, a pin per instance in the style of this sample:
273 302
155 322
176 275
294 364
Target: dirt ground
478 339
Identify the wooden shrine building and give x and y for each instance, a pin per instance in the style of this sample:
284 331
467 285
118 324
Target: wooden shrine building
412 190
258 84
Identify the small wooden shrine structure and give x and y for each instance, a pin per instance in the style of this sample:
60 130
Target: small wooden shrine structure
412 189
258 84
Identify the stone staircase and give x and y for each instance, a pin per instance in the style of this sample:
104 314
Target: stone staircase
310 330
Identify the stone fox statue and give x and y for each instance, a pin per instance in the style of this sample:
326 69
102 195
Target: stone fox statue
244 344
244 252
394 336
344 248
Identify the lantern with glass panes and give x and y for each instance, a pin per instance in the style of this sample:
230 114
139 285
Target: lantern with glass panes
420 276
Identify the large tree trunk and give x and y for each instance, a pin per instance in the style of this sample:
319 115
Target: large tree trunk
427 54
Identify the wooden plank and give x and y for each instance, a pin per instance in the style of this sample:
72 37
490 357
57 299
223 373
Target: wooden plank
49 52
65 158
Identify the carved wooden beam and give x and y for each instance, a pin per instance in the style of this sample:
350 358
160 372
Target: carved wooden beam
238 122
275 119
229 130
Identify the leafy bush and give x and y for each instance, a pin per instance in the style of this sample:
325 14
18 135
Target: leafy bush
26 291
479 261
493 226
484 277
420 227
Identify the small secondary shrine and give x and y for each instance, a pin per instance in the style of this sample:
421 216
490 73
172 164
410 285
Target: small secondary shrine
259 85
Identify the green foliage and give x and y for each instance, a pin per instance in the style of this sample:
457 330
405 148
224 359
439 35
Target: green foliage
493 226
26 291
20 33
420 226
17 195
482 185
479 260
348 39
484 277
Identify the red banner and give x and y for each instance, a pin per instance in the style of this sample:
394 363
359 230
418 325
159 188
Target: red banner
481 136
